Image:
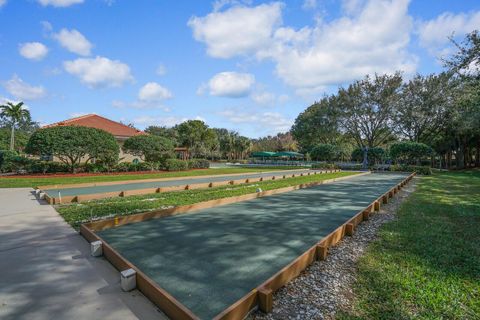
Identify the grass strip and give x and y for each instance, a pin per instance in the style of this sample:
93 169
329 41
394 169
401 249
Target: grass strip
19 182
426 263
75 214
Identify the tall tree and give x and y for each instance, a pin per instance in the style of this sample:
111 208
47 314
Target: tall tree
196 136
318 124
465 116
367 108
162 131
423 105
15 113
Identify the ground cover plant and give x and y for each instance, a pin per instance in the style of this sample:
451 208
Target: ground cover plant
75 214
425 264
19 182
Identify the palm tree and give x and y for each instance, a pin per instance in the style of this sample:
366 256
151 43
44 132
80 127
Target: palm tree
15 113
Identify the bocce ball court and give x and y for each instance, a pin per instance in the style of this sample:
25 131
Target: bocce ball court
221 261
89 191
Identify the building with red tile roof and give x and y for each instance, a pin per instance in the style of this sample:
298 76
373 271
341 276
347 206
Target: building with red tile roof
119 130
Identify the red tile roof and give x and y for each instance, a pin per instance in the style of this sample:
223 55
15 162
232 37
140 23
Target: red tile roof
96 121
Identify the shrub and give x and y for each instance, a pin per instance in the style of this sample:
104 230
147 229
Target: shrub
198 164
324 152
149 147
375 155
423 170
350 166
176 165
326 166
410 152
95 167
11 161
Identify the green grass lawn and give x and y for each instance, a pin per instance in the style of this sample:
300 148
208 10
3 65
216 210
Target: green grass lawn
75 214
426 264
19 182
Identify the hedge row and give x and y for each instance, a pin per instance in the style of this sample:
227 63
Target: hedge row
326 166
13 162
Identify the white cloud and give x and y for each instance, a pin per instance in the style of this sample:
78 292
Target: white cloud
170 121
22 90
161 70
266 98
33 50
272 122
219 4
433 34
238 30
263 98
309 4
330 53
99 71
80 114
153 91
230 84
2 3
59 3
74 41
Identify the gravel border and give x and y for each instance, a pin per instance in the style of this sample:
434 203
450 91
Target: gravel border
326 286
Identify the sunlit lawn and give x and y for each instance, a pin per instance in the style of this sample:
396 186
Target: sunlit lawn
426 264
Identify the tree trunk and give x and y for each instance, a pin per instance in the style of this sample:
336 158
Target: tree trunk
460 157
477 154
12 138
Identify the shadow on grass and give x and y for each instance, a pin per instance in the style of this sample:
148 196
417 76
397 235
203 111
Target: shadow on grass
426 264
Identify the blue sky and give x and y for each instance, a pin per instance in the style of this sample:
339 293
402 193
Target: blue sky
250 66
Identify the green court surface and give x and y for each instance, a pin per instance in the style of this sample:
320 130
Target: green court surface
76 191
208 259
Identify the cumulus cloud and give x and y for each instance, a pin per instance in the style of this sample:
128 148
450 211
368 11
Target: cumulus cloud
153 91
230 84
330 53
74 41
266 122
22 90
238 30
161 70
434 34
33 50
170 121
59 3
309 4
99 71
2 3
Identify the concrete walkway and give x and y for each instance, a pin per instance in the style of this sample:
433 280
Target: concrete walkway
46 271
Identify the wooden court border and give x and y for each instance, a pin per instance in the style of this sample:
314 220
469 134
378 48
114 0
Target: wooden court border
262 296
96 196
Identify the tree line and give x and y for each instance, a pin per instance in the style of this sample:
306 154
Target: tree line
441 111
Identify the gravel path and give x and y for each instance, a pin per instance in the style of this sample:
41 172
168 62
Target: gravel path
325 287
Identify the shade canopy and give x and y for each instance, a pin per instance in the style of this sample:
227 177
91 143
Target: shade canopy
263 154
268 154
289 154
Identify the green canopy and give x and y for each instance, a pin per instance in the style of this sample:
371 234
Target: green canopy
263 154
289 154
